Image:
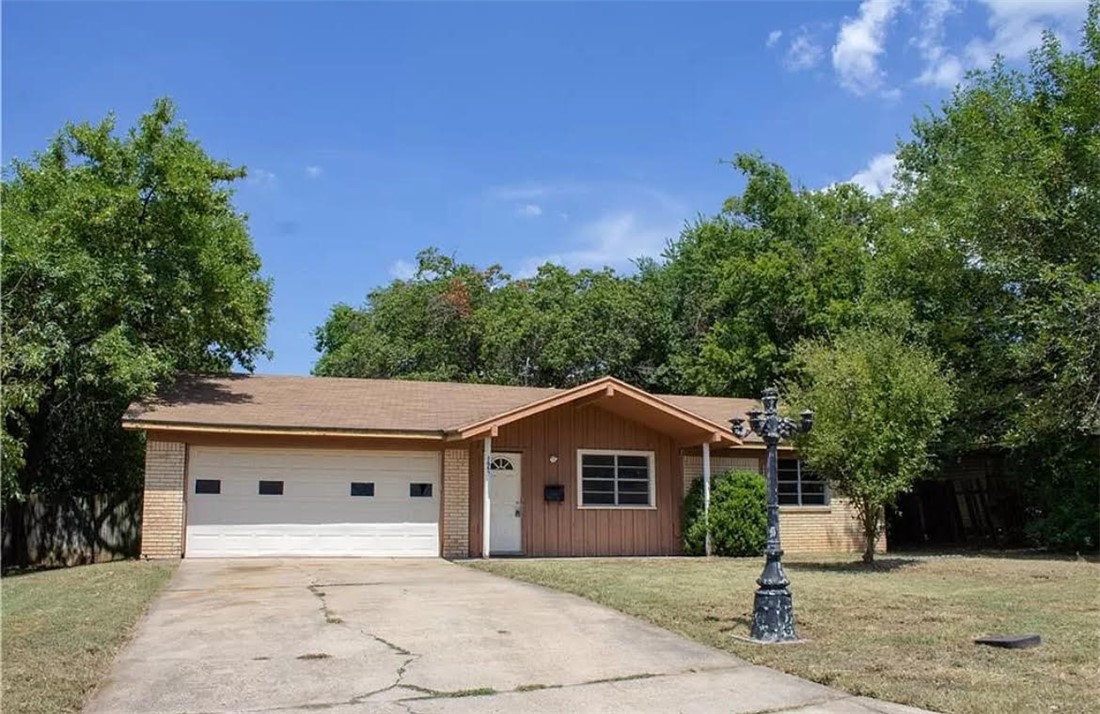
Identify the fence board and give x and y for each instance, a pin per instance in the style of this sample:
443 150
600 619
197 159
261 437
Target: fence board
73 530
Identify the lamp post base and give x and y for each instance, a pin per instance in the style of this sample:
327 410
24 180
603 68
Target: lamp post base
773 616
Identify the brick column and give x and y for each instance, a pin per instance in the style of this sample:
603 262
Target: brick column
456 503
162 506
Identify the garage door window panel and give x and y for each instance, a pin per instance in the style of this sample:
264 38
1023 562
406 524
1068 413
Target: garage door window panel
271 488
211 486
360 488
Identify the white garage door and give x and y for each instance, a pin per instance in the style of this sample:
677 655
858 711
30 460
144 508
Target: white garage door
272 502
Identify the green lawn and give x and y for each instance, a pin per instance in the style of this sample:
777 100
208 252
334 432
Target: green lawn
62 628
902 632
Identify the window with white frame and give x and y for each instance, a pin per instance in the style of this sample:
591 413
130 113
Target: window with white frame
615 479
798 486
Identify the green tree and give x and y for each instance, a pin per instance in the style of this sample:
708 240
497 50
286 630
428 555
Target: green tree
560 328
879 404
453 321
1004 180
124 263
429 327
778 264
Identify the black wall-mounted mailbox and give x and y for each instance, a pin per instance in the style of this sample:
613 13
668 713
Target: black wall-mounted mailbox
554 493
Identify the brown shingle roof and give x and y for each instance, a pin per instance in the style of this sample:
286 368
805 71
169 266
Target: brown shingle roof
716 409
341 404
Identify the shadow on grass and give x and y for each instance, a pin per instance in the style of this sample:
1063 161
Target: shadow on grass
729 624
999 554
882 565
16 571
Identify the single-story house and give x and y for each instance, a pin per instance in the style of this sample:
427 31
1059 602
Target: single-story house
259 465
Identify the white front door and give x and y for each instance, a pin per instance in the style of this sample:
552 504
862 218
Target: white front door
505 505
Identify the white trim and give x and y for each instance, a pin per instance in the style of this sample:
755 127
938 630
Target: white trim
151 425
486 504
651 458
706 494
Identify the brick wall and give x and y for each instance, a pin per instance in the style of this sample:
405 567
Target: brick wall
693 466
456 503
822 528
801 528
162 509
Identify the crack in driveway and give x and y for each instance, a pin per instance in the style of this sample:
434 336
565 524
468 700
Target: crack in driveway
467 633
427 695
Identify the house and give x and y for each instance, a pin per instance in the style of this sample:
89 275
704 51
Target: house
258 465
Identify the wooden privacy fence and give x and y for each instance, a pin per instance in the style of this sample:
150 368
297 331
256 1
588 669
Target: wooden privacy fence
73 530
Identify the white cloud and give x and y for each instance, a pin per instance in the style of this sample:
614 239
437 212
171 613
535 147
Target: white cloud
804 52
945 71
941 67
1018 25
531 210
402 270
878 176
602 222
313 171
860 42
533 191
773 37
612 240
262 177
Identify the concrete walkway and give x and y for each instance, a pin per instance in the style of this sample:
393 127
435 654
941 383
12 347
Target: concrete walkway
420 637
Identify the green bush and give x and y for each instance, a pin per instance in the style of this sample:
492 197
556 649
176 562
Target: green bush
738 515
1060 486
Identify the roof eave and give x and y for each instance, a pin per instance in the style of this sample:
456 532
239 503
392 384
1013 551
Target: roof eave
246 429
604 386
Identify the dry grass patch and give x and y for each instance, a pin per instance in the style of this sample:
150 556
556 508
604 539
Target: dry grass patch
902 632
62 628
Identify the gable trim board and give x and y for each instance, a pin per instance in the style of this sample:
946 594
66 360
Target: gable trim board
426 486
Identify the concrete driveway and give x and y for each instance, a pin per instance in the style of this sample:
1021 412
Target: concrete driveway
421 637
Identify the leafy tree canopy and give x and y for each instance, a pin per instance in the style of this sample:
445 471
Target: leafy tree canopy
124 262
879 404
778 264
452 321
987 257
1007 176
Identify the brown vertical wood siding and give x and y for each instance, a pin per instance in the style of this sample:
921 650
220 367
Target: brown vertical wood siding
563 529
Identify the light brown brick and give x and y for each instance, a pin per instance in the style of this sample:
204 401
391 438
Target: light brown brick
162 512
456 509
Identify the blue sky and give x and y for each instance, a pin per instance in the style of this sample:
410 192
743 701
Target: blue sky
508 133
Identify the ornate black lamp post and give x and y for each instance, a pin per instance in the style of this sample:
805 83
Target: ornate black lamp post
773 613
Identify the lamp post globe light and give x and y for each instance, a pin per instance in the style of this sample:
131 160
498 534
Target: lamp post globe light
773 613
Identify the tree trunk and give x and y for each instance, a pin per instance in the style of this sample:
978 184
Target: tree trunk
869 520
869 539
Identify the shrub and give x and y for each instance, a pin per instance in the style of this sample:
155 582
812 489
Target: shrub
1060 487
738 515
